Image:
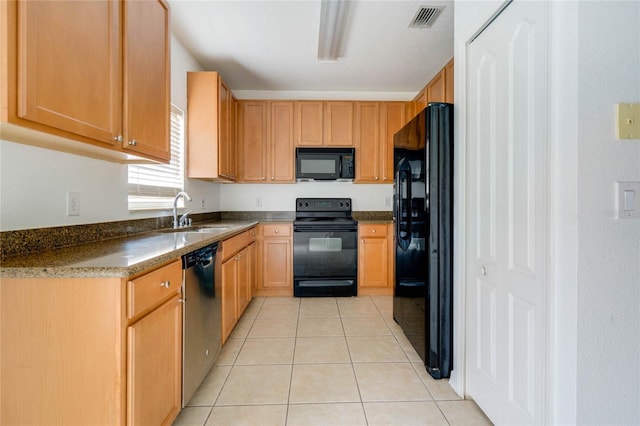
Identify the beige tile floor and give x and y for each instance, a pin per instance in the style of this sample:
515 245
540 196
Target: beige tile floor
323 361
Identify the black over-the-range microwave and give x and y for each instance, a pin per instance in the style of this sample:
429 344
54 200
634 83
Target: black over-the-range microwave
325 164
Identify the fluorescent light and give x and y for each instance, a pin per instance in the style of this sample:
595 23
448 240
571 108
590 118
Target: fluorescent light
332 29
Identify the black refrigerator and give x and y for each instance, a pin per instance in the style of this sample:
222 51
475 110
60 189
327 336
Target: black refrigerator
423 219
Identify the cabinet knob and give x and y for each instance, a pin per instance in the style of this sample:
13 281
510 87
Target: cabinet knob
373 231
376 177
133 142
165 284
362 241
276 231
118 138
272 178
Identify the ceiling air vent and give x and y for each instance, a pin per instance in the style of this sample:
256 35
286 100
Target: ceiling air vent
425 16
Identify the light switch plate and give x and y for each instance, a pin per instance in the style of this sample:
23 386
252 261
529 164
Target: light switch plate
628 200
628 123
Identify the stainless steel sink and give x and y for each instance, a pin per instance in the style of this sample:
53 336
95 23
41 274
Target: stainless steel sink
198 229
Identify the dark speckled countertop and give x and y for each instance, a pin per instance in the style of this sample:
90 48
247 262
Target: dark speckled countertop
126 248
117 257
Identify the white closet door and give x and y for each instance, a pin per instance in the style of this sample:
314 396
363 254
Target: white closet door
507 215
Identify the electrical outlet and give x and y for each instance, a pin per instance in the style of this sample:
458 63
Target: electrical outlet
258 201
202 204
73 204
387 201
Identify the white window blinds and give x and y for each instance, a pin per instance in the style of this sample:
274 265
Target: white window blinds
154 186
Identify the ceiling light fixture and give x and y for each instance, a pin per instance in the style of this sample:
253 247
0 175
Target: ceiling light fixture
332 29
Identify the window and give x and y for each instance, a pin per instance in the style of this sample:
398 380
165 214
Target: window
154 186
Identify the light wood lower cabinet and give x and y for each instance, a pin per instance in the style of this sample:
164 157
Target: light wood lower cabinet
154 366
238 278
275 265
375 259
91 350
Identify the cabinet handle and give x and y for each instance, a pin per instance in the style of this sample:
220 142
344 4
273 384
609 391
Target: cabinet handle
362 241
373 231
118 138
264 178
272 178
376 177
133 142
165 284
276 231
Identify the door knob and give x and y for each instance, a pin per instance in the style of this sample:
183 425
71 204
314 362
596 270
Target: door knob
483 270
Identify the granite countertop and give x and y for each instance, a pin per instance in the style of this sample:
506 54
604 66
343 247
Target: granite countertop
118 257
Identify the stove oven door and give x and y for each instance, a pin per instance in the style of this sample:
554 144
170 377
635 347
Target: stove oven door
325 260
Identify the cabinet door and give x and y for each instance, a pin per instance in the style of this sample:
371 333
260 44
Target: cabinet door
253 134
69 67
233 136
448 80
146 78
372 259
244 280
229 297
419 102
155 346
338 123
367 142
436 88
226 169
392 118
276 263
308 125
281 142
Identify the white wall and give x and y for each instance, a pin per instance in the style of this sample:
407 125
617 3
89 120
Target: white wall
594 374
246 197
609 250
34 181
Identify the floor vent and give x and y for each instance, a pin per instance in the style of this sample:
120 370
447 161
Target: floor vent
425 16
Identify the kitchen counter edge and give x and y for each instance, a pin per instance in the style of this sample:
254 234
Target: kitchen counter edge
29 269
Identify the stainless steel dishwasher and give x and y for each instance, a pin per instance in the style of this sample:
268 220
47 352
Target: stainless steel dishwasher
202 322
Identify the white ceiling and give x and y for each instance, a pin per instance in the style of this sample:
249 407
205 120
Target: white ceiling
272 45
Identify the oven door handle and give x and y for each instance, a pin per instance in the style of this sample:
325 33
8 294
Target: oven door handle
332 228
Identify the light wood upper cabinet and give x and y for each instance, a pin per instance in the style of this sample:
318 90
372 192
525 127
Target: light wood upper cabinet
439 89
448 81
376 123
147 97
253 135
210 117
367 137
338 123
375 259
392 118
309 123
281 145
436 88
266 139
81 75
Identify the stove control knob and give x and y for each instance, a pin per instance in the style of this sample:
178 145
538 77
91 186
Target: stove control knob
306 204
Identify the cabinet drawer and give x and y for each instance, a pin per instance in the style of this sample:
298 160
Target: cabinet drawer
148 290
276 230
235 244
373 230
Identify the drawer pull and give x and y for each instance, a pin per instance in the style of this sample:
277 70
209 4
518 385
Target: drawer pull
373 231
165 284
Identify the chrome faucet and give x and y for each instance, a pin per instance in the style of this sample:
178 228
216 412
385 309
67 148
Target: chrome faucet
182 222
